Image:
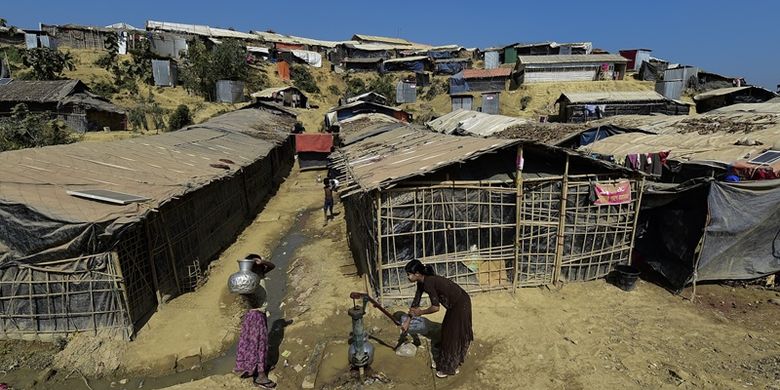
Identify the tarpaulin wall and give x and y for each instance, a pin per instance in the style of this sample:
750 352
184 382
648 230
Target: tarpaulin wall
742 238
61 297
468 233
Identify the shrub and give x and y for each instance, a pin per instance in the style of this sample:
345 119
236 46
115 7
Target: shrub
202 68
47 64
24 129
334 90
181 117
355 86
524 101
303 79
383 85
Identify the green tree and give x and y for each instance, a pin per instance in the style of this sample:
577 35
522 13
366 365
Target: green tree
355 86
47 64
201 67
383 85
303 79
147 107
24 129
181 117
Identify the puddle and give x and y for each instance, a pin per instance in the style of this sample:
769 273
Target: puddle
389 369
276 282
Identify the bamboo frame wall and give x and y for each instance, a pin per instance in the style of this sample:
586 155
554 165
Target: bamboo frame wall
65 296
474 233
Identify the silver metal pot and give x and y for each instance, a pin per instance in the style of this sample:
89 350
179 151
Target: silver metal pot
244 281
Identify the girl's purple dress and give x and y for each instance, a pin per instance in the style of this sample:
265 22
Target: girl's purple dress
252 344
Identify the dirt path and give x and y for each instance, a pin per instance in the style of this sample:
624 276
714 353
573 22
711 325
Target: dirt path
582 336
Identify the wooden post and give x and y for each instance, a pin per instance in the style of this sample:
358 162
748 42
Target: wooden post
561 224
518 206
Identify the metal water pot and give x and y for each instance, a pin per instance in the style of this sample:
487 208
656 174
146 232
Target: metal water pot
244 281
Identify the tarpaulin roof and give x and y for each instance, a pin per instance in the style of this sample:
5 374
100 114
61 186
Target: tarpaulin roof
726 91
271 92
611 96
293 40
34 182
197 29
486 73
723 136
406 59
404 151
408 151
48 91
374 38
473 123
570 58
320 143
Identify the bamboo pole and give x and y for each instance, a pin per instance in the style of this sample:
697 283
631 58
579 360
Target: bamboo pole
164 228
561 224
152 265
518 214
378 204
121 285
636 217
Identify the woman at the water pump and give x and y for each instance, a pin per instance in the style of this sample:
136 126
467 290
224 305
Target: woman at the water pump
253 340
456 333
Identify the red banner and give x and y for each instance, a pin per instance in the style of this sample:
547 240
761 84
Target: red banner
610 194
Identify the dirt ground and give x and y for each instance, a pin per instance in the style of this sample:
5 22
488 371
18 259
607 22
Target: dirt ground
580 336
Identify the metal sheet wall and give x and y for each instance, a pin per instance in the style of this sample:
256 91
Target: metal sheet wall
464 102
490 103
164 73
491 60
230 91
405 92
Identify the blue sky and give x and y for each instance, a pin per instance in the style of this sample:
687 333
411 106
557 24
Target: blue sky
739 38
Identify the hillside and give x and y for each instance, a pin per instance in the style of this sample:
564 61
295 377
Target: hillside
432 101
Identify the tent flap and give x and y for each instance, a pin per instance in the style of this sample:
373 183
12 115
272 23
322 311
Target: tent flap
742 240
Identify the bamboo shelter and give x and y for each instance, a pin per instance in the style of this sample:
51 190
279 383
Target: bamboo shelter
489 214
73 264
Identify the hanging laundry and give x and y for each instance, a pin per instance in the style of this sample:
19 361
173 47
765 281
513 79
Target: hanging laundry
656 165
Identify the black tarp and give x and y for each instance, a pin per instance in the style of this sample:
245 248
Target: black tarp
741 237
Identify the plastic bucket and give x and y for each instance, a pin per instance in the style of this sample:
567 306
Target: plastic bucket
626 277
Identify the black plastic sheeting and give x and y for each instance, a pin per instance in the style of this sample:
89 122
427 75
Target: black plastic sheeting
741 239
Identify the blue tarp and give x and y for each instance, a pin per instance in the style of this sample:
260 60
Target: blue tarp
438 55
450 67
413 66
599 133
458 84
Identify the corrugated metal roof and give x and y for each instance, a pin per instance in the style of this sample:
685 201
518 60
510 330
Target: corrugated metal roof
158 167
570 58
486 73
611 96
473 123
